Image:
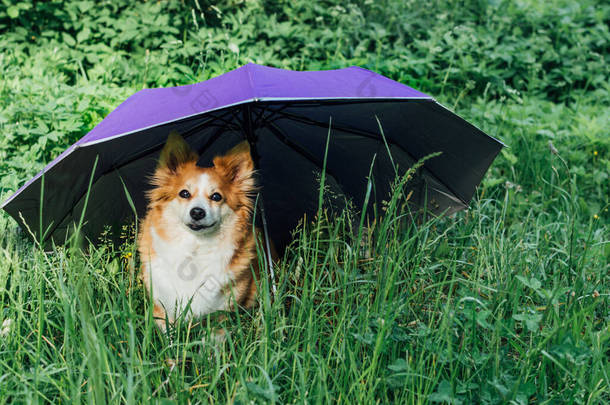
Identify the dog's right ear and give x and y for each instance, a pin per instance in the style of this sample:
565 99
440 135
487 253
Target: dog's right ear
176 152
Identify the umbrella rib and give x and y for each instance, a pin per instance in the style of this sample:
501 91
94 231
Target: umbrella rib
221 129
277 132
226 122
272 112
261 112
187 134
369 135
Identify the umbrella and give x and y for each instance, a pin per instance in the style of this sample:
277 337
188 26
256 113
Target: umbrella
285 115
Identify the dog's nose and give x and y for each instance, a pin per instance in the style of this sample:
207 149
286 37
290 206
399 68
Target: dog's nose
197 213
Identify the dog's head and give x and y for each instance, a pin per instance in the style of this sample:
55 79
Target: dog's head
201 199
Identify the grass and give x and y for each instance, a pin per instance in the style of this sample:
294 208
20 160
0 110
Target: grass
458 310
505 303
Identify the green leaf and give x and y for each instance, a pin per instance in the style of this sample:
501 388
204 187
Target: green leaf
268 394
399 365
512 159
492 181
531 320
68 39
367 338
233 47
481 318
83 35
532 283
12 12
535 284
444 394
571 351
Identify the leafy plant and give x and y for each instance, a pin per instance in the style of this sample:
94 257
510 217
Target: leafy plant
504 303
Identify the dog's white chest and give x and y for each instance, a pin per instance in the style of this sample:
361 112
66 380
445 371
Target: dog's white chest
190 274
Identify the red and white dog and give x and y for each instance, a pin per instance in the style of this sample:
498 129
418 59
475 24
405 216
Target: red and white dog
196 242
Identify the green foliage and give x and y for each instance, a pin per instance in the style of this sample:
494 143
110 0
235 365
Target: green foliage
505 303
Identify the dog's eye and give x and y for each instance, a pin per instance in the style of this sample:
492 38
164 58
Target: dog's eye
215 197
184 194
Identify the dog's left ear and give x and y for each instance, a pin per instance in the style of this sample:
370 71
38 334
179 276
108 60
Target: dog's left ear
176 152
237 165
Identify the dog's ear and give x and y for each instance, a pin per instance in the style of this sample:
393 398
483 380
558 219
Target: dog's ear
236 165
176 152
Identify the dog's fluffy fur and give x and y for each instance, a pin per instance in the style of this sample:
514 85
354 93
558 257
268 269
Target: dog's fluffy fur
198 265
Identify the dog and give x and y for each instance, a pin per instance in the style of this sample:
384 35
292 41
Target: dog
196 243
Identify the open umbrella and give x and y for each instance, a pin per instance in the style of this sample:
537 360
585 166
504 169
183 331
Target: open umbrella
285 116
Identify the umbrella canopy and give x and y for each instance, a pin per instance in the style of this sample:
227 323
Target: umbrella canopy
285 115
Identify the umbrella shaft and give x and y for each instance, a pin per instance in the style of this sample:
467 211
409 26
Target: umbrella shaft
251 138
